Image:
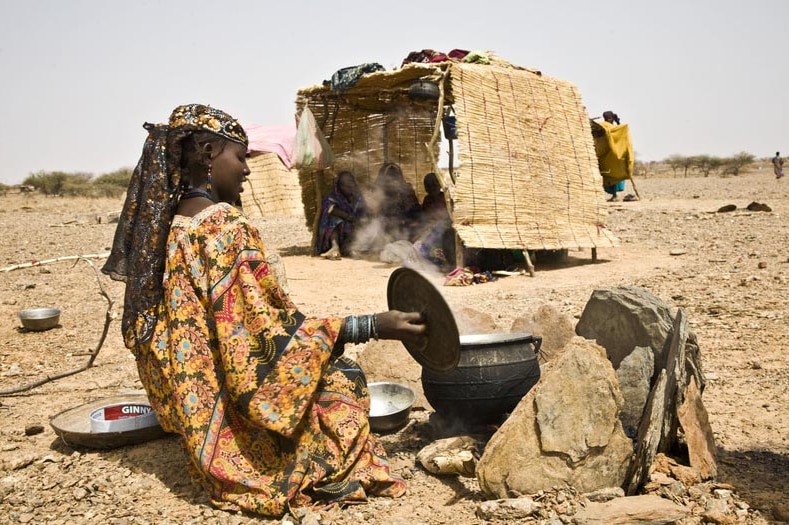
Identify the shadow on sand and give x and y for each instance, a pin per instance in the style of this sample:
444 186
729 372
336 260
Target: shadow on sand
759 477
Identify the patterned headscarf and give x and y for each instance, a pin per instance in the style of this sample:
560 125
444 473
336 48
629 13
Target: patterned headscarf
139 248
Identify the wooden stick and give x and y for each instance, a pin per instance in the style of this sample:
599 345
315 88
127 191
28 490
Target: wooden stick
633 182
108 317
437 126
58 259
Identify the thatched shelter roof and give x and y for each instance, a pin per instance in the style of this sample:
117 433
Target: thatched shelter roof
528 176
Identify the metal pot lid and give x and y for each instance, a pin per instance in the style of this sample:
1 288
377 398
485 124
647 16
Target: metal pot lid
439 349
496 338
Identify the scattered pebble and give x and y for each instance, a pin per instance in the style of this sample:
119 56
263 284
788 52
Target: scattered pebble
32 430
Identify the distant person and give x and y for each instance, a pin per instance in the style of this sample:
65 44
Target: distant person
778 165
433 205
613 189
611 117
435 240
399 207
341 210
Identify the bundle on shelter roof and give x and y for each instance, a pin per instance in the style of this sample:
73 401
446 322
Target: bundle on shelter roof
528 176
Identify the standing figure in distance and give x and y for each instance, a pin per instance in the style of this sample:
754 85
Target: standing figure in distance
612 189
778 165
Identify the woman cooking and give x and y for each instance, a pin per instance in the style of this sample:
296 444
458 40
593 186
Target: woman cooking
270 413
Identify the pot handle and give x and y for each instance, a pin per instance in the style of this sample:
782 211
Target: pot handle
536 340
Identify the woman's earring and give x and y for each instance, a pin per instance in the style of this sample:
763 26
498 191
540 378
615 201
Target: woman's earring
208 179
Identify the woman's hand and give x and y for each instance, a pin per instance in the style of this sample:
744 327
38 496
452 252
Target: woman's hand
403 326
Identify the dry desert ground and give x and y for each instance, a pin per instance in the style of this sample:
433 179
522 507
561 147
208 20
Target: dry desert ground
730 271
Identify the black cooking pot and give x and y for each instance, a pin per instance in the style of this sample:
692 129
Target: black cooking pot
494 372
423 90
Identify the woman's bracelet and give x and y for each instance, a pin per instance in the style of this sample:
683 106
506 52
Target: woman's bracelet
358 329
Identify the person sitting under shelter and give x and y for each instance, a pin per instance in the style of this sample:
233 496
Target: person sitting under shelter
341 210
435 240
399 207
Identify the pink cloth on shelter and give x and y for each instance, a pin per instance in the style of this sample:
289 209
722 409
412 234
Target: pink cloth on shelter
272 139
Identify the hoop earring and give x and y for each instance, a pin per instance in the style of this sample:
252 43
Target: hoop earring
208 179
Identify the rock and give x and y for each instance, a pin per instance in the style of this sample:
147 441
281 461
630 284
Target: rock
727 208
577 405
648 439
606 494
555 328
450 456
564 432
758 206
79 493
700 439
646 509
507 509
21 461
619 319
32 430
667 470
471 321
635 376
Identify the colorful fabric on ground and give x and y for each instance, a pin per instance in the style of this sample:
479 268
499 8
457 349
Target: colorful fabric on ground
430 244
614 152
330 223
467 276
269 419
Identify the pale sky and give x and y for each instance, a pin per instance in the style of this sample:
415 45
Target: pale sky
78 78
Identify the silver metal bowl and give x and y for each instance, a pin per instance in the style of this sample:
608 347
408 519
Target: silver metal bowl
390 405
40 319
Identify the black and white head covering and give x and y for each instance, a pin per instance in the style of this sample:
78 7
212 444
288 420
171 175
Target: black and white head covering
139 249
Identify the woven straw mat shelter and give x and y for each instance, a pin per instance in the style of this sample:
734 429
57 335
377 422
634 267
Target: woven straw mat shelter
527 176
271 189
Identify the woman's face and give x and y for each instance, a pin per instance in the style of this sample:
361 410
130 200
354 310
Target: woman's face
229 170
347 185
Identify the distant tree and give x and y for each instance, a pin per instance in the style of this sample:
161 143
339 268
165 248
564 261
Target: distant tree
675 162
687 164
706 163
733 165
59 183
119 177
641 169
112 184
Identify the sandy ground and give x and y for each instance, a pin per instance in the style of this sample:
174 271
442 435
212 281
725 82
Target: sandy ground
730 271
